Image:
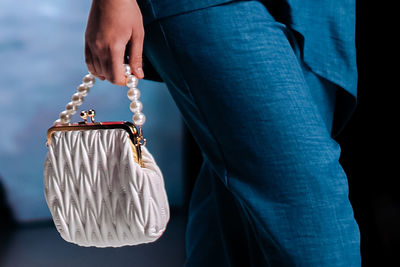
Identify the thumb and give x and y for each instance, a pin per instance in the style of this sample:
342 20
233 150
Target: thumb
135 56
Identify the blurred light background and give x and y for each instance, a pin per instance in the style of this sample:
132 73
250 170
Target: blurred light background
41 64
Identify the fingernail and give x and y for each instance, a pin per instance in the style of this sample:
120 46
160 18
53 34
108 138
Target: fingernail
140 72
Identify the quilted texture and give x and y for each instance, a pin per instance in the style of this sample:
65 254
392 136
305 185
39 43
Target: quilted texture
98 195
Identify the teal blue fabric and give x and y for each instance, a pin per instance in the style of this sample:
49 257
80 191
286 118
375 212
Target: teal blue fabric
324 29
271 190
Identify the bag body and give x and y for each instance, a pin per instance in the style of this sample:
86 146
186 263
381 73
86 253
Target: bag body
102 185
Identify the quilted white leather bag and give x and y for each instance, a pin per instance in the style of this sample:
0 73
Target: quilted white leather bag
101 184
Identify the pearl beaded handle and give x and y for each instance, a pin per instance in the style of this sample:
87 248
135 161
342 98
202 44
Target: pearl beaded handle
83 90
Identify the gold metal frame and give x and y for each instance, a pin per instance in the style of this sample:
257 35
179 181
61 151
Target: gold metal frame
135 135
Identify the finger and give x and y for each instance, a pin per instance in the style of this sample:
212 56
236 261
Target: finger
96 65
89 60
115 71
135 55
98 68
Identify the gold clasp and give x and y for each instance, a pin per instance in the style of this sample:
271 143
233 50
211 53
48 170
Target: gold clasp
90 113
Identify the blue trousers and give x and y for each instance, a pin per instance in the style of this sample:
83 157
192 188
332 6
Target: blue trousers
271 191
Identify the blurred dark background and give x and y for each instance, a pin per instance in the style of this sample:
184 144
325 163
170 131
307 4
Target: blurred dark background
27 235
370 141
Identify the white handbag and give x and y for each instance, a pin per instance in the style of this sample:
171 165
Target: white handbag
101 184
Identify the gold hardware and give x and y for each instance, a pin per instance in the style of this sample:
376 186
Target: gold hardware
140 138
125 125
84 115
91 113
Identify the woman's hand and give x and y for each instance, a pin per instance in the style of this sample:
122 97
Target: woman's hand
112 24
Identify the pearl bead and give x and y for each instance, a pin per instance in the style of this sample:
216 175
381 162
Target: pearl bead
65 117
133 94
88 80
131 81
139 119
128 70
136 106
83 89
77 99
71 108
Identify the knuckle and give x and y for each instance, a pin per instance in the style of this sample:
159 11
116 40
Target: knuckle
116 47
99 46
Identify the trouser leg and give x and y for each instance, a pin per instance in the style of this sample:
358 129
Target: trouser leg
250 106
215 234
218 233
